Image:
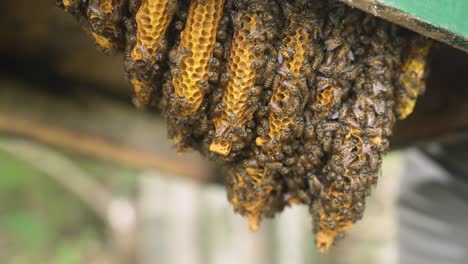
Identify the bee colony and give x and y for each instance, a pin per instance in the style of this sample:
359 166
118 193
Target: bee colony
295 99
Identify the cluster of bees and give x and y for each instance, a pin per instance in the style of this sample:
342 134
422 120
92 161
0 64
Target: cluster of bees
295 98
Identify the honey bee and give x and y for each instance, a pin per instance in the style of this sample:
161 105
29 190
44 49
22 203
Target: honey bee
355 184
213 77
218 50
278 155
284 71
249 112
214 62
373 161
350 19
359 207
285 171
330 126
327 141
274 165
275 108
351 72
276 82
318 58
268 80
300 170
376 61
352 122
309 132
270 69
378 87
224 79
323 83
373 131
333 43
379 106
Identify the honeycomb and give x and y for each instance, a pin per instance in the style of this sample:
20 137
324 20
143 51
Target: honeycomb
246 55
296 100
105 18
101 19
247 203
190 72
286 104
411 83
152 22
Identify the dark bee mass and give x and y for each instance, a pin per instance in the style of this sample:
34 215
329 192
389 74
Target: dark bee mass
295 99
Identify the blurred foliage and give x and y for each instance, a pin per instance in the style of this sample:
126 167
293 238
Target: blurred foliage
40 222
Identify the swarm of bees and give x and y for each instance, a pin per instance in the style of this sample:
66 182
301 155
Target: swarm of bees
295 98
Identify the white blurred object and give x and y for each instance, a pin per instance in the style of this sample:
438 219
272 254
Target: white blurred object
121 215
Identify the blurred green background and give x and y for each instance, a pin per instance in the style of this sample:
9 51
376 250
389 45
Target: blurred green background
42 222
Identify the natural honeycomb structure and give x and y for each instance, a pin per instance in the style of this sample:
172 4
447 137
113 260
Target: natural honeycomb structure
324 95
152 22
247 202
105 18
102 19
286 104
411 82
295 99
190 72
245 60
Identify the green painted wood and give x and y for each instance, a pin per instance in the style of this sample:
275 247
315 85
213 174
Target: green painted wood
449 14
443 20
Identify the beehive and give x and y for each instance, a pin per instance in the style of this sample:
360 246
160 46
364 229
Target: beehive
295 99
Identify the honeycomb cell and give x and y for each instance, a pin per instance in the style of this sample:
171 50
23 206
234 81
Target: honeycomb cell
191 69
325 97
